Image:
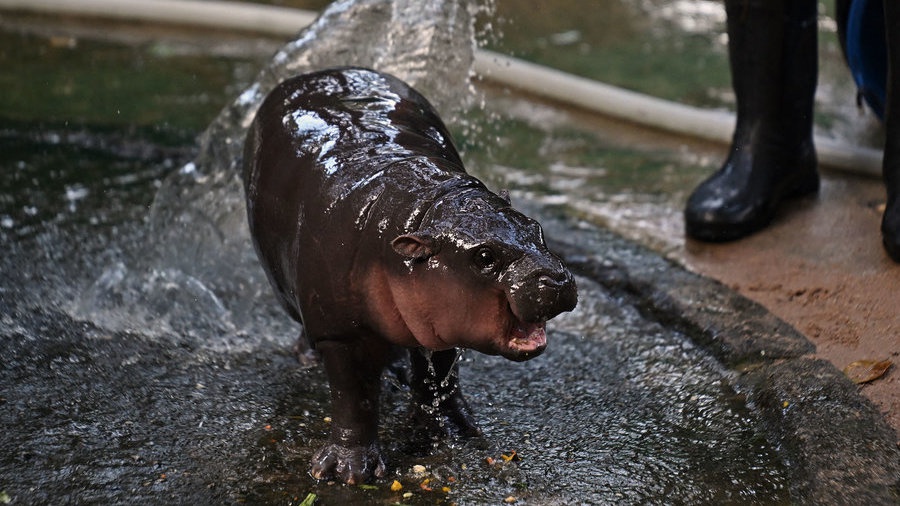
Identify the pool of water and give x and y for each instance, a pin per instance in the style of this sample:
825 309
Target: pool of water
136 371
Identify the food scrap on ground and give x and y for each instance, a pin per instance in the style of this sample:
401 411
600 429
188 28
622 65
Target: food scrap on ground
513 456
426 481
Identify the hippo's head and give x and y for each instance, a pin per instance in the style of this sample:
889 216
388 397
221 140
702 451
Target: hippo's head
481 277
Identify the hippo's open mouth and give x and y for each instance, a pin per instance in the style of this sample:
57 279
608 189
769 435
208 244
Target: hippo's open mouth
525 340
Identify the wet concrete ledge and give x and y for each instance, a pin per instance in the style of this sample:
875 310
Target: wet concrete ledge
838 447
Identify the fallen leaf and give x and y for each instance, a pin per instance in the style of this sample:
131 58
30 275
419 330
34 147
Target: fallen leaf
864 371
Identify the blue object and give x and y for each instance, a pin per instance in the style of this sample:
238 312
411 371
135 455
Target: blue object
867 52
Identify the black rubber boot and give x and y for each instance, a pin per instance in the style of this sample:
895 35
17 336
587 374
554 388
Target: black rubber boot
890 222
772 47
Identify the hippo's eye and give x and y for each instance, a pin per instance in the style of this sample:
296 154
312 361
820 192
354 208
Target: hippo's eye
485 259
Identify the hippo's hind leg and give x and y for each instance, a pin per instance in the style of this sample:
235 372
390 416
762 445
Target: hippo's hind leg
306 355
438 403
354 369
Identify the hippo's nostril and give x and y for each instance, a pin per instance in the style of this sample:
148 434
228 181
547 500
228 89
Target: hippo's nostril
553 280
560 286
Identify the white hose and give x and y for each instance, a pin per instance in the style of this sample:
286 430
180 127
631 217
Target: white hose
650 111
217 14
598 97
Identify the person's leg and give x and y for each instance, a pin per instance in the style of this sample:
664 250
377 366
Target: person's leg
773 56
890 223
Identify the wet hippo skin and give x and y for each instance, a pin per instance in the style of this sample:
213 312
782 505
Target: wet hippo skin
374 237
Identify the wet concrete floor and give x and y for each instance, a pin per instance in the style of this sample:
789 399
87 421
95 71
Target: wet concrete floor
658 367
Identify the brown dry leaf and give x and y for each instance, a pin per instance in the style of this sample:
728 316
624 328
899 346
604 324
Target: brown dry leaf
864 371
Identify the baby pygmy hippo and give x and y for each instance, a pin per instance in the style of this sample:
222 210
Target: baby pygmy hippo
374 236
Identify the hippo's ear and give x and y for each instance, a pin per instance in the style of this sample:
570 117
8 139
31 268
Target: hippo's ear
416 246
504 194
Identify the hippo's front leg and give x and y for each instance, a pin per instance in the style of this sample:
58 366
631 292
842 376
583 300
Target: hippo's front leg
354 370
437 399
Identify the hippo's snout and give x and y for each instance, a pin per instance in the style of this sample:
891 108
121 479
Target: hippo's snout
544 293
557 290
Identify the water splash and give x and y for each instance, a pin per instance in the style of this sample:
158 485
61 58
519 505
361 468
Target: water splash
429 44
197 241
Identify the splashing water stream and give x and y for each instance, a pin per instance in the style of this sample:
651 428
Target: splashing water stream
428 44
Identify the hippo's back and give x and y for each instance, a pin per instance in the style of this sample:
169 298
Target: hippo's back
348 123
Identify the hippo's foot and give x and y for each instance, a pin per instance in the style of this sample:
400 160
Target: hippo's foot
450 417
353 465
